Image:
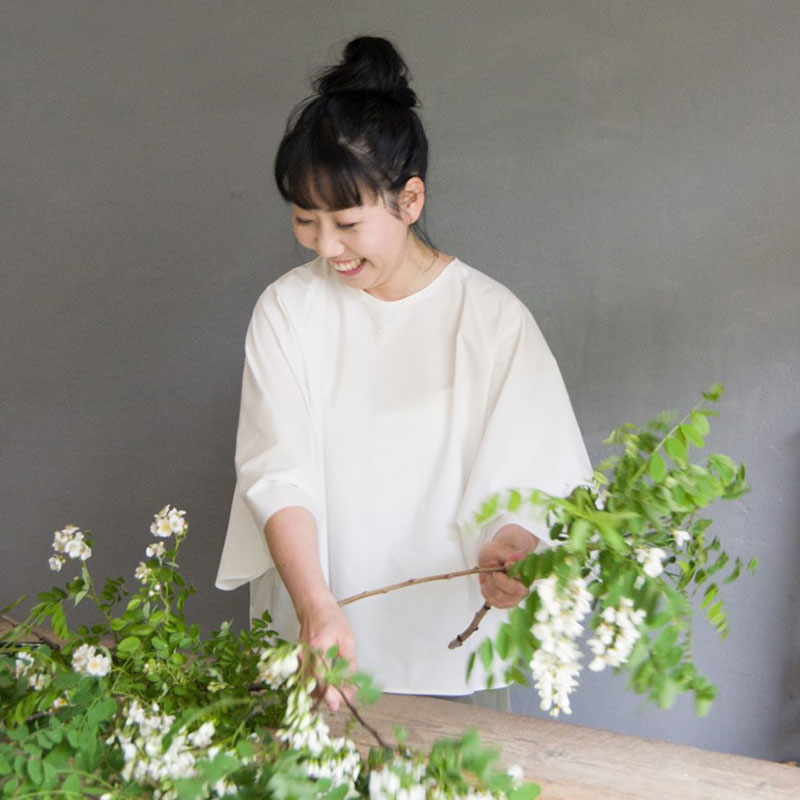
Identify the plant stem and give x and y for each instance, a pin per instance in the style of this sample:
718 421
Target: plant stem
473 626
445 576
361 720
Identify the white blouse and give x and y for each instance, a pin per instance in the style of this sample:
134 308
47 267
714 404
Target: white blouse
392 422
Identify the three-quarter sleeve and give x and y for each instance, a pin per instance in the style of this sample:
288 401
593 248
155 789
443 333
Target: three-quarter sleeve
530 440
276 443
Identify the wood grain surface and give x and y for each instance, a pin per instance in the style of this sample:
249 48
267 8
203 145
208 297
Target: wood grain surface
571 762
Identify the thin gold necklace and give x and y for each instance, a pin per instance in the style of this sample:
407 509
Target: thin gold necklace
410 291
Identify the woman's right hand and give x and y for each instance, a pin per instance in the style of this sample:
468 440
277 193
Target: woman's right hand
322 626
292 540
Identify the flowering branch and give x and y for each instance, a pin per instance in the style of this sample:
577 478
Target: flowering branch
445 576
364 724
473 626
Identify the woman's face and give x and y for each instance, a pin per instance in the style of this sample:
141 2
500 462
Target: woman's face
368 246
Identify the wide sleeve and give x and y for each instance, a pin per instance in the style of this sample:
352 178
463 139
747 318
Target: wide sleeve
530 439
276 443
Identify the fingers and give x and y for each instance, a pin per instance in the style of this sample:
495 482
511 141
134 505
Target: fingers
498 589
501 591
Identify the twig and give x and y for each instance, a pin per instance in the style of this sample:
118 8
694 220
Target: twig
361 720
17 628
473 626
445 576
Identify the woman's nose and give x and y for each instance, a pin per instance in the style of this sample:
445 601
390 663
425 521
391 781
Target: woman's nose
328 244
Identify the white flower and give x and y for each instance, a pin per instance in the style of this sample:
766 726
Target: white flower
23 664
556 663
168 521
616 635
142 572
98 665
55 563
37 681
203 736
278 666
651 558
59 702
156 550
681 537
81 656
88 660
176 522
77 548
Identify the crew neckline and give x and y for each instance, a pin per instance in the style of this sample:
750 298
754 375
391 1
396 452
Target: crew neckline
434 285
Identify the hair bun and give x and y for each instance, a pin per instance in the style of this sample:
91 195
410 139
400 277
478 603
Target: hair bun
371 65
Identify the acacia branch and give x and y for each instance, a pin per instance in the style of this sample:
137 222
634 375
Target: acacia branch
445 576
473 626
361 720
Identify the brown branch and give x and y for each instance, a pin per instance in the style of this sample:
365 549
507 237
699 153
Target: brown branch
361 720
445 576
473 626
19 629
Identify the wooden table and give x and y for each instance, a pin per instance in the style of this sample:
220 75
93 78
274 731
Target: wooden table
571 762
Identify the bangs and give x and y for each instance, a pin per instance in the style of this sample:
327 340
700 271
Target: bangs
322 175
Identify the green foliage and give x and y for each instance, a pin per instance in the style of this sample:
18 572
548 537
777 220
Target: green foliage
110 711
638 535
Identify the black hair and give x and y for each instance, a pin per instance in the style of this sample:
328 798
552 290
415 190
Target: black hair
358 138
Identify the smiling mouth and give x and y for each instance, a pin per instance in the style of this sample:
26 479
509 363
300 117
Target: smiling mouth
348 268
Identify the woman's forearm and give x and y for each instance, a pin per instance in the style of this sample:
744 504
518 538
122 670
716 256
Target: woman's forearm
291 535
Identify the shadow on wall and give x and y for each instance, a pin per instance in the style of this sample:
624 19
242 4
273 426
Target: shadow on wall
789 729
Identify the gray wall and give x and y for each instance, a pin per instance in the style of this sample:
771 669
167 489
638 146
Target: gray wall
630 169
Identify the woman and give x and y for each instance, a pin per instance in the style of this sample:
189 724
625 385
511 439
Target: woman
388 390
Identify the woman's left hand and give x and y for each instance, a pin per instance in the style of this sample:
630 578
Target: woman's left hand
511 543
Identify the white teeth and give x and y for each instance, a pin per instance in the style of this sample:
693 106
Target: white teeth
346 266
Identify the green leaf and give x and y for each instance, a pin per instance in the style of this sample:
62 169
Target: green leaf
714 393
657 468
35 770
692 435
752 564
700 423
613 539
667 693
703 698
579 533
59 621
514 501
528 791
503 640
130 644
486 652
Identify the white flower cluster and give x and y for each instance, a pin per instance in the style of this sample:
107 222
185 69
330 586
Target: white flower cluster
88 660
155 550
146 759
168 521
23 667
651 558
616 635
404 778
68 543
279 665
400 779
304 730
556 663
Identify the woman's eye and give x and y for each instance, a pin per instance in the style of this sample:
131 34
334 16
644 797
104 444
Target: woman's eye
345 226
298 221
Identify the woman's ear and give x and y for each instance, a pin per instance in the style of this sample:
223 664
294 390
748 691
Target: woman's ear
411 200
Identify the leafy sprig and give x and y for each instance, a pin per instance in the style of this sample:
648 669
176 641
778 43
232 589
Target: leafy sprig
635 536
